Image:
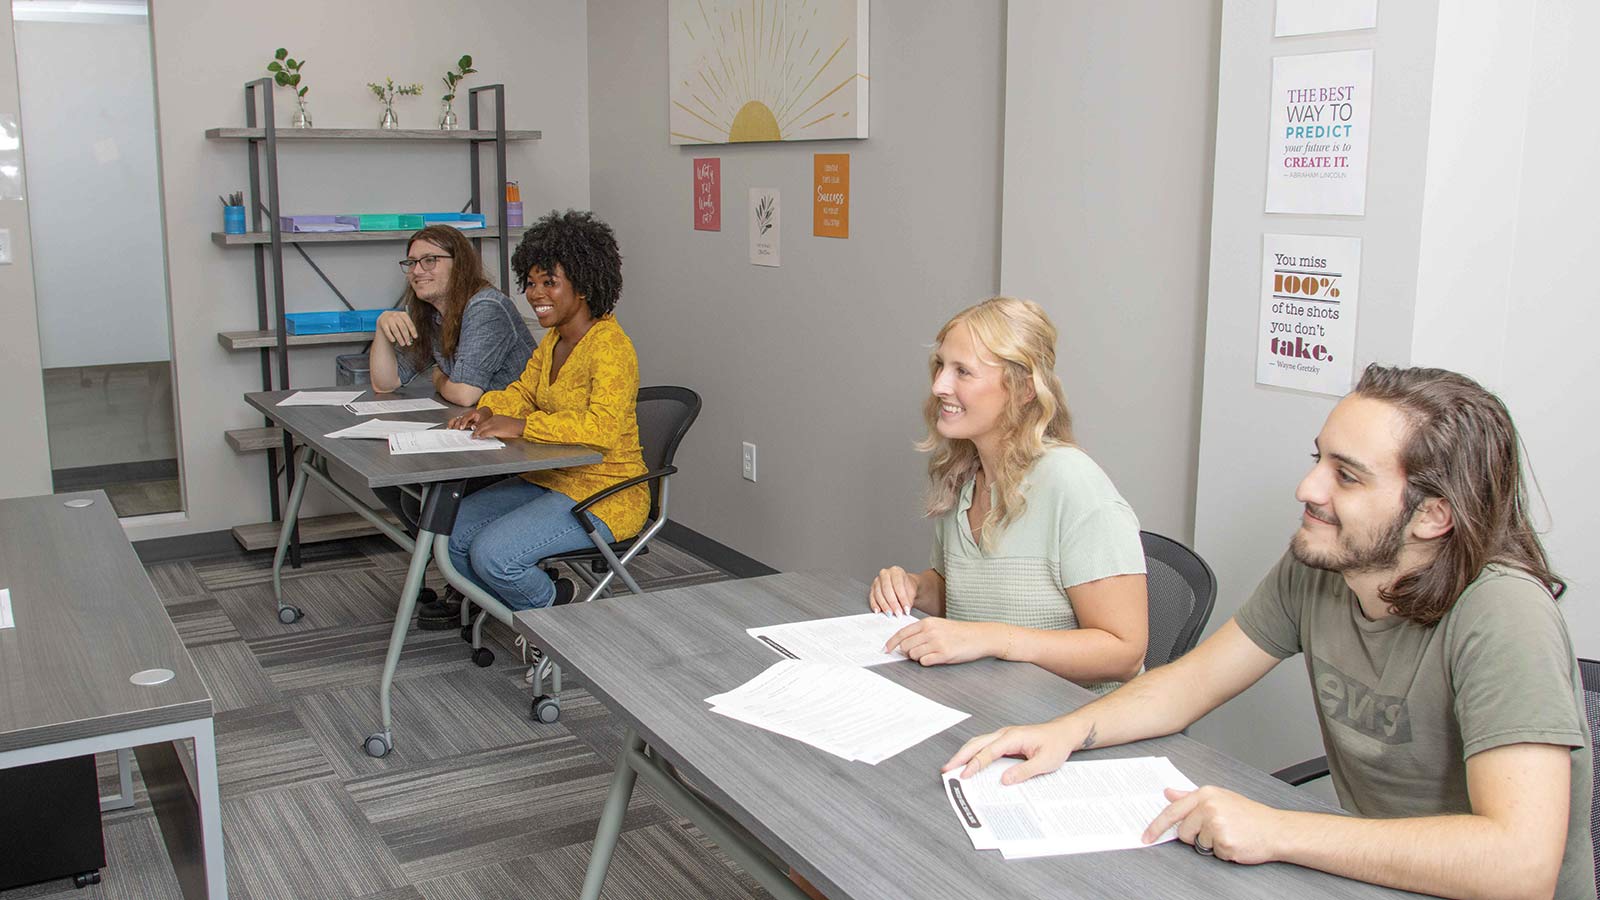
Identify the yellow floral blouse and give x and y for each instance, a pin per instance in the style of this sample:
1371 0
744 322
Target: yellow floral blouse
591 403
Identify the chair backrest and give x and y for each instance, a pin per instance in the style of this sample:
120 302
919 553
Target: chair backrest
665 414
1182 590
1589 671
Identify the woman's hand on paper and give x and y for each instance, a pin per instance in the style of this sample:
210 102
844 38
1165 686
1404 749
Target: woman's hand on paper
935 641
894 591
469 421
396 327
492 426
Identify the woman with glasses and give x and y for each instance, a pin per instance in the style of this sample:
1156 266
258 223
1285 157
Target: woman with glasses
469 338
580 387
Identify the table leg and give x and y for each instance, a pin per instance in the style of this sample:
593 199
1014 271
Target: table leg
380 743
124 796
205 758
291 516
611 816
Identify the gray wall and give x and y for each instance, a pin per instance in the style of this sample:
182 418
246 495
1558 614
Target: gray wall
823 362
25 459
1106 224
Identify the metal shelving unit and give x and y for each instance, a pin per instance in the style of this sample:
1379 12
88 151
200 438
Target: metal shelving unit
271 338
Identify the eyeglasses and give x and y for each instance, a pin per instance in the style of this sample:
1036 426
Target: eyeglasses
425 263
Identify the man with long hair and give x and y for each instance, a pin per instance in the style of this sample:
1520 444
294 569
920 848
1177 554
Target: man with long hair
1447 691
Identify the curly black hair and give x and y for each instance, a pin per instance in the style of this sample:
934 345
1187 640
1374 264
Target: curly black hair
586 250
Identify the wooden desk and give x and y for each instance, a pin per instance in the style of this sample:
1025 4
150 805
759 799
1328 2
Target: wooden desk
442 477
87 619
858 831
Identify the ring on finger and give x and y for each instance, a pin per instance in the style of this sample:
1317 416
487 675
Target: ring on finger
1202 849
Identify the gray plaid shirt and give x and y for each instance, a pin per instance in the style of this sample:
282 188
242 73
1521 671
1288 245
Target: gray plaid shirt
492 349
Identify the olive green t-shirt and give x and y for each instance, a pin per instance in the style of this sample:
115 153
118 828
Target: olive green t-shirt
1402 706
1074 529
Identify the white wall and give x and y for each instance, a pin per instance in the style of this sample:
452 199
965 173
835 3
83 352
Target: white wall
1106 224
25 459
822 362
100 273
205 52
1254 440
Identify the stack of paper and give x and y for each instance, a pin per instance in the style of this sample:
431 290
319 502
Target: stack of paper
846 640
320 398
439 442
379 407
845 710
379 428
1082 807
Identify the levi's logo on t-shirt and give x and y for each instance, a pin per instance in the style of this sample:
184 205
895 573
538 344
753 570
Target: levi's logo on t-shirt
1353 703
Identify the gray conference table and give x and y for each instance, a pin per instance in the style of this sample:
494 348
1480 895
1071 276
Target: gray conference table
437 480
856 830
87 624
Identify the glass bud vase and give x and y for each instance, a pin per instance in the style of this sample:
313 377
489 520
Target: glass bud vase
390 121
447 119
302 116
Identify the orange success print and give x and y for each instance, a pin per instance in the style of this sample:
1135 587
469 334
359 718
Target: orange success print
830 215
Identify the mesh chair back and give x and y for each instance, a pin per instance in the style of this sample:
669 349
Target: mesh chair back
1182 590
665 414
1589 670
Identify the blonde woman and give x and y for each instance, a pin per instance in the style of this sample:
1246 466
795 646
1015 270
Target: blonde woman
1036 557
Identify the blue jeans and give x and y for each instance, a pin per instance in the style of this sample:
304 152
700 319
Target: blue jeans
503 531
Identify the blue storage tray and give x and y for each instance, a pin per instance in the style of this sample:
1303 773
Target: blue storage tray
464 221
355 320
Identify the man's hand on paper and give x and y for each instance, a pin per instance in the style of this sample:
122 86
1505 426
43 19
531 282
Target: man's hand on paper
935 641
1232 827
894 591
1044 747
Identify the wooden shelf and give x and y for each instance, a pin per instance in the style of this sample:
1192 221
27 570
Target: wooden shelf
314 530
365 134
251 238
252 440
257 340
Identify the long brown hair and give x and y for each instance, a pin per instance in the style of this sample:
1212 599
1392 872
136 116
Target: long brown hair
1461 446
466 279
1019 335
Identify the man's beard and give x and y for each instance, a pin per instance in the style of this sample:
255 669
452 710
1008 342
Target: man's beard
1381 551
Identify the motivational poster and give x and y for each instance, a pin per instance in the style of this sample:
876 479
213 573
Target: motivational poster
830 213
708 194
1321 16
1307 331
1317 151
766 226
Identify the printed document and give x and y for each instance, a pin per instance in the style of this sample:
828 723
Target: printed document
847 640
320 398
380 428
846 710
439 442
379 407
1082 807
5 609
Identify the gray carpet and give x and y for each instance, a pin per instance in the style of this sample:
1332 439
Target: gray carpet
476 801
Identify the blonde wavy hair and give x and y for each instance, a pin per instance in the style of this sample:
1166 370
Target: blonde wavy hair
1019 337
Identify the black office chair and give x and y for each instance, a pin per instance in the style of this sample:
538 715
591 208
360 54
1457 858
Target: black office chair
1182 591
665 414
1589 672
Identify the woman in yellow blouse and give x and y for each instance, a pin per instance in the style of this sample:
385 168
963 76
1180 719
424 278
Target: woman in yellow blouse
580 387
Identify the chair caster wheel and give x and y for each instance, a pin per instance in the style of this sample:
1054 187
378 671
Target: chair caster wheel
546 709
289 615
84 879
483 657
377 746
466 633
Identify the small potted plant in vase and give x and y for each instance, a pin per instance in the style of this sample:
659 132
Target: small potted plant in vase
387 92
285 71
447 120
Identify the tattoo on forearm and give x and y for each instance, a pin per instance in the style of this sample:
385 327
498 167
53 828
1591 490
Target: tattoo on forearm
1088 739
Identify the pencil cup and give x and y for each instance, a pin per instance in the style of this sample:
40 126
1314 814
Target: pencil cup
233 219
514 214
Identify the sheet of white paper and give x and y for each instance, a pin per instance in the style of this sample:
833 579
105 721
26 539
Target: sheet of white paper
379 407
845 710
439 442
5 609
1082 807
846 640
320 398
379 428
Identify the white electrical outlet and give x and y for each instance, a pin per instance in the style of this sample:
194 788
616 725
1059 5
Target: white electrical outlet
5 246
749 461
